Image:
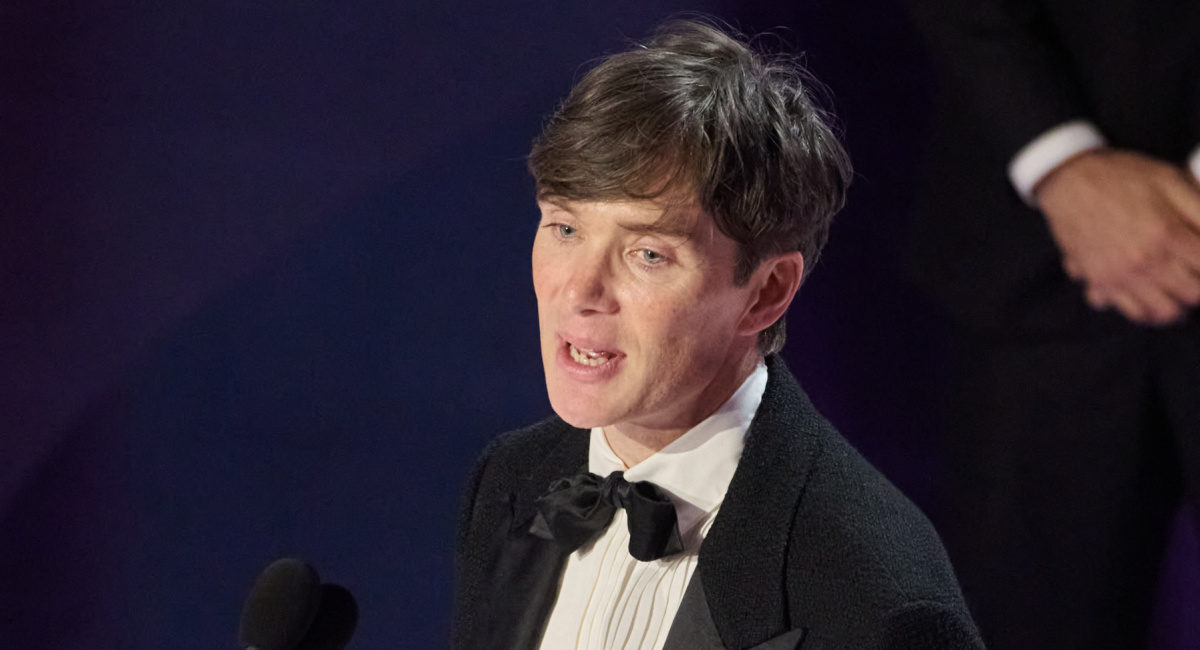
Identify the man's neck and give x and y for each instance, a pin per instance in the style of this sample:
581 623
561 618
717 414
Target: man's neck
633 443
633 449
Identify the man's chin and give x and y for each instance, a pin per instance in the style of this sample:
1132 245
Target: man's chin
580 413
581 420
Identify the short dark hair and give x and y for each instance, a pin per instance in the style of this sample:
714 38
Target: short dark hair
695 109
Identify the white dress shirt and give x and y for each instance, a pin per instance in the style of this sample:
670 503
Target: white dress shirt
607 600
1049 150
1057 145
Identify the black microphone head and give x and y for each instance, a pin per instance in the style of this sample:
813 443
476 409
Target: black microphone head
335 621
281 606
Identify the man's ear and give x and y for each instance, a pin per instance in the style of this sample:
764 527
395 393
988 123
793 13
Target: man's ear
775 283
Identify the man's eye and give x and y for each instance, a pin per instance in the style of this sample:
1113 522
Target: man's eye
652 257
565 231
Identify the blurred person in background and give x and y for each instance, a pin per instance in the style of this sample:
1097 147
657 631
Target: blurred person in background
1060 228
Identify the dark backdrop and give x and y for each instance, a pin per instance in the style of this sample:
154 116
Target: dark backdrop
264 291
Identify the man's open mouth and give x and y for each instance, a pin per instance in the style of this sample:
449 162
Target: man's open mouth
588 357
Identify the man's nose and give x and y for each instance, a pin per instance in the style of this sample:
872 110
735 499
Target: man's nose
589 286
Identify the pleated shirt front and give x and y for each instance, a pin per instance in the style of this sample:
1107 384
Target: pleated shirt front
607 600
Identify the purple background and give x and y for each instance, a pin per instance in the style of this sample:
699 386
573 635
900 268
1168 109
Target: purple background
264 291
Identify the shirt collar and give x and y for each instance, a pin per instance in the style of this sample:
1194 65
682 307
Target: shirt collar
695 469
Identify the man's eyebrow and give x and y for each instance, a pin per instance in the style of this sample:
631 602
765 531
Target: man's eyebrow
560 203
664 227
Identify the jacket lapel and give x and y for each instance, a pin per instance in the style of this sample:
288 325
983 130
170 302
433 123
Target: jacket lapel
527 570
693 628
742 558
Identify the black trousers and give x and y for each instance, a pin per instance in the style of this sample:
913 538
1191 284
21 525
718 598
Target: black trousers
1064 462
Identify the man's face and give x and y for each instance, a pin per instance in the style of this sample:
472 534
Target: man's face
638 311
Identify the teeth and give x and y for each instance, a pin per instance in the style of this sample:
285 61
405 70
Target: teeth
588 357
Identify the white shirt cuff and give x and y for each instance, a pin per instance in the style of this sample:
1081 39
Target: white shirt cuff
1194 163
1049 150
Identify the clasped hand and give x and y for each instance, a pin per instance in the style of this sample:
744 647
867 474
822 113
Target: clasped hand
1128 227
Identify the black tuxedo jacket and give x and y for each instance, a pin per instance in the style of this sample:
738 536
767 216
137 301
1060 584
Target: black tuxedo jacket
812 547
1010 70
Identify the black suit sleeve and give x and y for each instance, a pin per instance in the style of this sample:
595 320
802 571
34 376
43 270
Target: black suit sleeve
1000 61
928 625
466 579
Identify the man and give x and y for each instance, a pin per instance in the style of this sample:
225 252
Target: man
688 495
1061 230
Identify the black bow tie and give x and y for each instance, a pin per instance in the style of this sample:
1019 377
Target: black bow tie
574 509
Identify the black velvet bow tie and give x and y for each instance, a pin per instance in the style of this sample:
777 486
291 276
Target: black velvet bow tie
574 509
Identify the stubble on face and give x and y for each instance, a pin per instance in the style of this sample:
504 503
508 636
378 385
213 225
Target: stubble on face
639 316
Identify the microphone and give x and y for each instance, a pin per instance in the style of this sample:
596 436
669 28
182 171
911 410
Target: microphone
289 609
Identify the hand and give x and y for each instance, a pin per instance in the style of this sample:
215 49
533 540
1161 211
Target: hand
1128 227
